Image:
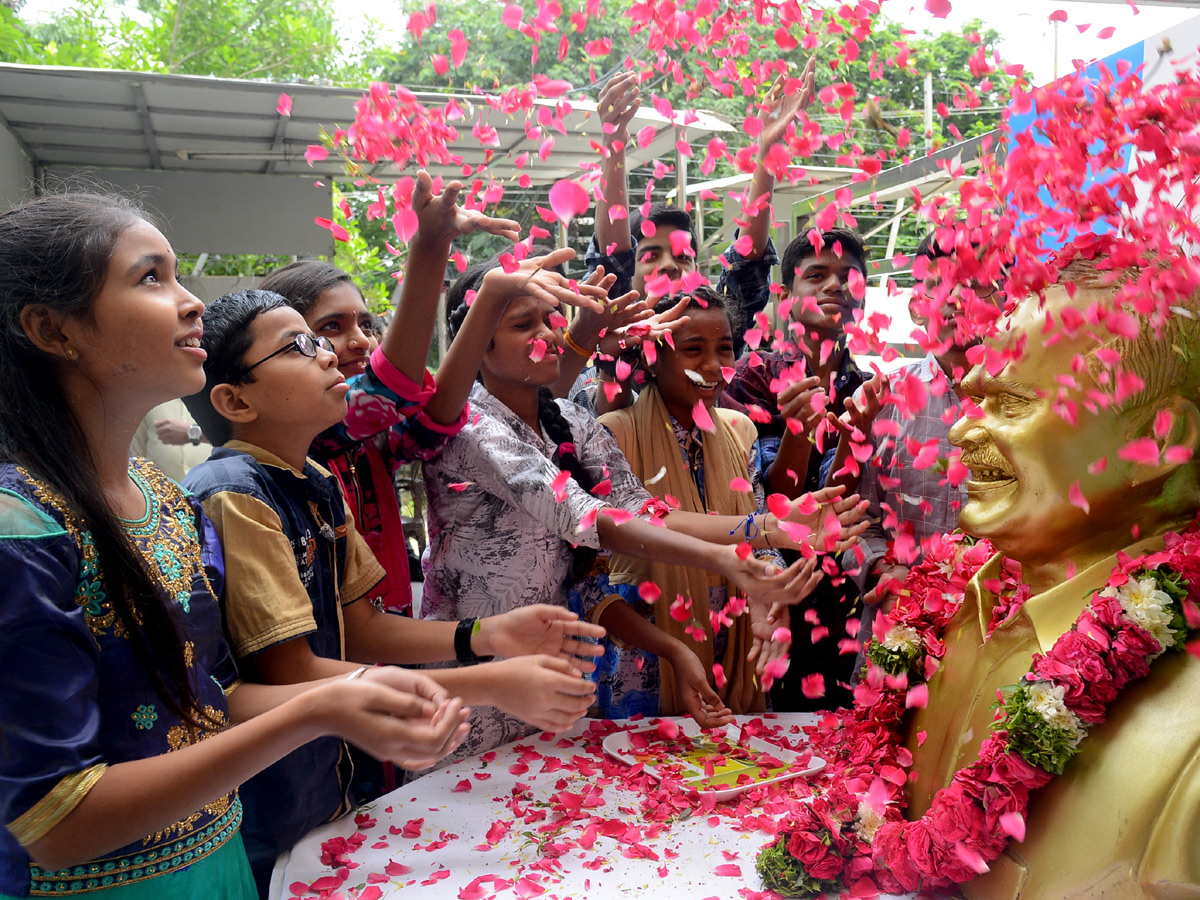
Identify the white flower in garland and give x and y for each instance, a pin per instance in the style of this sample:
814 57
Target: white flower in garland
1147 606
901 639
1046 700
867 821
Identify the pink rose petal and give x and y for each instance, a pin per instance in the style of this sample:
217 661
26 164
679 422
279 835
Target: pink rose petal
1075 495
702 418
568 199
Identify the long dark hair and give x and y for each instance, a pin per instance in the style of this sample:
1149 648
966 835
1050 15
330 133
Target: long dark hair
550 416
55 252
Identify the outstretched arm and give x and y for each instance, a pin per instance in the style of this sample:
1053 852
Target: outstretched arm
534 277
406 344
780 111
377 712
584 334
618 102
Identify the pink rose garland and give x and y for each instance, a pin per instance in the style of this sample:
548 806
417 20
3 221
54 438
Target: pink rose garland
855 839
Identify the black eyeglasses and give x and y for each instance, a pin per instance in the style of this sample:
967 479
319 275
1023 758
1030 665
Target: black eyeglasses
304 344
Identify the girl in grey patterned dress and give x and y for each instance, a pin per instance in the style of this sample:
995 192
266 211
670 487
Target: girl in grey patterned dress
523 497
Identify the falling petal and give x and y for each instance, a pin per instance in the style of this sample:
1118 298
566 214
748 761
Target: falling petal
568 199
702 418
1075 495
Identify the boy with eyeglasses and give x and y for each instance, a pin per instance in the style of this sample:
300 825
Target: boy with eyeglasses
298 574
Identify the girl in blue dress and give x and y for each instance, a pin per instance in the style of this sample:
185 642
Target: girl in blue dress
124 730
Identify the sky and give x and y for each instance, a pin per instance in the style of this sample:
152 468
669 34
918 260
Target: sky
1027 34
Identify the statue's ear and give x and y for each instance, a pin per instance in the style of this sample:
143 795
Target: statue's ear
1175 428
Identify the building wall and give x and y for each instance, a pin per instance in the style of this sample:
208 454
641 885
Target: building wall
214 212
16 172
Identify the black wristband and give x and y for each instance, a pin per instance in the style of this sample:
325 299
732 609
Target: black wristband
462 642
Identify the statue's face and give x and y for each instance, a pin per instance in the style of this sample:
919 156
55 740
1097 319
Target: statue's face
1025 458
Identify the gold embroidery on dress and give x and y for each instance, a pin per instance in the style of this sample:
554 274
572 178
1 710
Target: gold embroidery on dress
178 737
89 592
167 541
62 799
168 544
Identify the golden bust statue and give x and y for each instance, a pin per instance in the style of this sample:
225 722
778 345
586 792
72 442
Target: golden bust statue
1123 821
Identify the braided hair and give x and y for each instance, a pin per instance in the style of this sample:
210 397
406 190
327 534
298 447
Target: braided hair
549 413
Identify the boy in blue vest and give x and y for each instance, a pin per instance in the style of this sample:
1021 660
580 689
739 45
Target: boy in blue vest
299 573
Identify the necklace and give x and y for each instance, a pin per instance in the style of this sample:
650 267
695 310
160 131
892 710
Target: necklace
855 836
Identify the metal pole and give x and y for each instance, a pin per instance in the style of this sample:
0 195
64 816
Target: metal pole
928 112
680 172
892 235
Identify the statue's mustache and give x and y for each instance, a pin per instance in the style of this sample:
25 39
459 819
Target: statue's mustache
987 459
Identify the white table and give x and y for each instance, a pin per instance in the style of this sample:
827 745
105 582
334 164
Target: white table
542 817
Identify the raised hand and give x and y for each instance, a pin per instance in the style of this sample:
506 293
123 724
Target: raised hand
535 277
861 409
541 629
619 101
548 693
802 405
781 107
593 329
441 219
649 328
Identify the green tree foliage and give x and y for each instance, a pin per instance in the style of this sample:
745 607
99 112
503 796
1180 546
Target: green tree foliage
289 40
279 40
887 68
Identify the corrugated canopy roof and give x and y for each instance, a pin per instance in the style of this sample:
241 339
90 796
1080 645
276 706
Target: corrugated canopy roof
132 120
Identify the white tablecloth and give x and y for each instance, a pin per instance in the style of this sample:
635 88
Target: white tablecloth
537 818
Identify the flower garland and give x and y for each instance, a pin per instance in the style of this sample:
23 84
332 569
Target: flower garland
854 838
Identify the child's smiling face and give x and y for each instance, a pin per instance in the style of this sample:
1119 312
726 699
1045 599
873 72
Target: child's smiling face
691 373
341 315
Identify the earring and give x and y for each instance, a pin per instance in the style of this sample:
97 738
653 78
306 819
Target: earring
72 354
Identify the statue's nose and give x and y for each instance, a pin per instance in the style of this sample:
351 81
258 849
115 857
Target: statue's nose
967 433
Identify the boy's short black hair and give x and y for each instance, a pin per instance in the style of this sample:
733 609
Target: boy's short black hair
801 247
660 214
228 336
931 248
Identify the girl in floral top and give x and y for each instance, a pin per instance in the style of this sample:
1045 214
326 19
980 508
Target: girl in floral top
122 748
